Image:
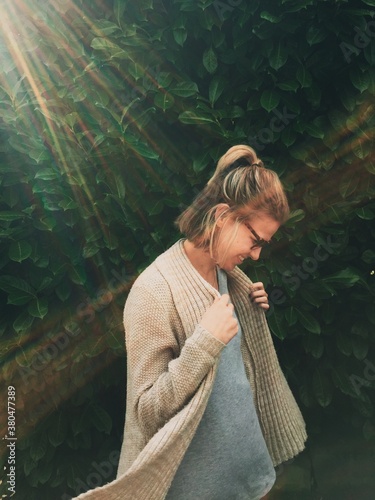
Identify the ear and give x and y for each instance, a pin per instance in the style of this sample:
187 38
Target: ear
220 214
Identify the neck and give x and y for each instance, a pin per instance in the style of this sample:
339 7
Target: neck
202 261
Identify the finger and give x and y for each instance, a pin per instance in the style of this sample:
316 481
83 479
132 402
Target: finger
260 293
225 299
262 298
231 308
257 286
259 300
264 306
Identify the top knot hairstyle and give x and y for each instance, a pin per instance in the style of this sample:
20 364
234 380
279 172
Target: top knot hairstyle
240 181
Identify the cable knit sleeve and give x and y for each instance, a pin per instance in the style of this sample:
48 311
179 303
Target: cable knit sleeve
163 374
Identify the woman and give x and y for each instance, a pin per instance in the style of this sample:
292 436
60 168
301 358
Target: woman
209 413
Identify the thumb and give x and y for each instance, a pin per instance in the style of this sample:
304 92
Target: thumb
225 299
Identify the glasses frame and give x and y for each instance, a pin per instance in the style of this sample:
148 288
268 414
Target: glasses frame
260 242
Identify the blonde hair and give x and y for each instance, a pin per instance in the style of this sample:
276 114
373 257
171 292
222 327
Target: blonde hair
240 181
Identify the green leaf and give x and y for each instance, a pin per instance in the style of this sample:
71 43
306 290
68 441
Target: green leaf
72 118
29 464
45 223
38 308
311 296
164 79
360 347
180 35
278 57
20 292
314 130
269 100
289 85
368 256
39 446
304 77
23 322
315 35
341 380
39 155
45 473
185 89
344 344
295 216
306 396
63 291
68 204
119 9
308 321
10 216
277 324
164 100
314 345
345 278
348 184
291 316
58 429
106 27
115 340
108 46
362 149
270 17
364 405
89 250
101 419
334 215
193 118
145 150
77 275
370 166
216 88
210 60
359 80
46 174
19 251
11 196
322 388
288 136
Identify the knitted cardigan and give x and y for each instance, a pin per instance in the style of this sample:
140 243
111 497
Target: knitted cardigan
171 366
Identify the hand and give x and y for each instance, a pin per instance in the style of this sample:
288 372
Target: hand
259 296
219 319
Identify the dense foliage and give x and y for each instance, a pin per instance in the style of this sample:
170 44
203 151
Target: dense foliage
112 116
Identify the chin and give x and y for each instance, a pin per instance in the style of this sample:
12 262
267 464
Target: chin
228 267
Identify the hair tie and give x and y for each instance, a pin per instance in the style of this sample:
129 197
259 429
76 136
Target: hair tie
240 162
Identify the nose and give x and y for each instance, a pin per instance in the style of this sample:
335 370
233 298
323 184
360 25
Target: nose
255 253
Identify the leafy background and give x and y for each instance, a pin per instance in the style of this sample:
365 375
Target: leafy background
112 117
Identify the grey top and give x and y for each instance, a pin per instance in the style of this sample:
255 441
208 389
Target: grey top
227 458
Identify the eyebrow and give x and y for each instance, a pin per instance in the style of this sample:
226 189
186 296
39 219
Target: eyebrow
259 240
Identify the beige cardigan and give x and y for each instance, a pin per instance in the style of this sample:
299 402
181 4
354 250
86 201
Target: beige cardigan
171 366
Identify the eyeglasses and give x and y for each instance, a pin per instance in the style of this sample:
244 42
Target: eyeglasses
259 242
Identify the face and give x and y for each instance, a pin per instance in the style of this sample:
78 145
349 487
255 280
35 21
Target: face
252 235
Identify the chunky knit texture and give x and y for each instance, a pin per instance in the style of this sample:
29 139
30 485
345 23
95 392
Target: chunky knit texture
171 366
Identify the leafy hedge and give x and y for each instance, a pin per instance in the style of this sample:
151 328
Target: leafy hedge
112 116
